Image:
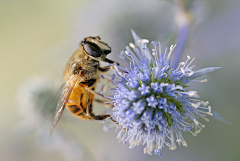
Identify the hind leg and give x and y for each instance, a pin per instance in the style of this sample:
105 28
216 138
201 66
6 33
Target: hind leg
89 112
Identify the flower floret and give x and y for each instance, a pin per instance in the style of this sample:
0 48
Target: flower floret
152 105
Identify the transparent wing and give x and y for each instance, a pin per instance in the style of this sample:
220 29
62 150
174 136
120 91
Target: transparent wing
55 97
63 100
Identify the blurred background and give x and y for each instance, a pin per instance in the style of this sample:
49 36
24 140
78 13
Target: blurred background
38 37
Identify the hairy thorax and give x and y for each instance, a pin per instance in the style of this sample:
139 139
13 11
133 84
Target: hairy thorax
89 69
86 65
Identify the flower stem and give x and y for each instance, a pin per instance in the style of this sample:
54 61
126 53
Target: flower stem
183 19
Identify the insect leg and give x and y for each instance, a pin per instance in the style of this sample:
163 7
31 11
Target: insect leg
105 69
109 61
109 105
93 92
89 110
100 101
97 117
100 117
114 65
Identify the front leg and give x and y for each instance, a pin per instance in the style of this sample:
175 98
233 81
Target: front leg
109 61
105 69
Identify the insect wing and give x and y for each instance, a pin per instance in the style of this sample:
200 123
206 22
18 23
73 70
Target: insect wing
63 100
54 99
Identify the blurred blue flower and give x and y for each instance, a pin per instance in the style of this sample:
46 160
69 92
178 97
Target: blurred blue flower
152 101
35 104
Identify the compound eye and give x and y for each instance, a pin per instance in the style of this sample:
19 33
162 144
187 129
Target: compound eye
92 49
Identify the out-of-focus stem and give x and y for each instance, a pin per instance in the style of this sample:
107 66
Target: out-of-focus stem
181 41
183 19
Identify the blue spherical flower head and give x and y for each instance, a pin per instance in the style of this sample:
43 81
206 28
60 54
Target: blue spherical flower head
152 102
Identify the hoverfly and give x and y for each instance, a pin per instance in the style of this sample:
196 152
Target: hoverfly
81 74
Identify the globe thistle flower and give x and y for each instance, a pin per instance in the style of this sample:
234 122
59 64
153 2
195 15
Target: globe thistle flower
153 104
33 102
